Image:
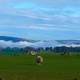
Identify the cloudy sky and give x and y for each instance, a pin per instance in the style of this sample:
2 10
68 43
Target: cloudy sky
40 19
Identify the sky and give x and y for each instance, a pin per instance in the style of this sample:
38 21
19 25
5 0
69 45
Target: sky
40 19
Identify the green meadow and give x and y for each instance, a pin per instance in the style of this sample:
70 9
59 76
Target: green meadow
54 67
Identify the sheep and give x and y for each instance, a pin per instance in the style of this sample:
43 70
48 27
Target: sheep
33 53
39 59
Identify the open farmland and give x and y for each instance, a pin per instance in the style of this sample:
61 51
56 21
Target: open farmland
55 67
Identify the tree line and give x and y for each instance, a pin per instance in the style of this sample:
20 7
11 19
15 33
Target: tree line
55 49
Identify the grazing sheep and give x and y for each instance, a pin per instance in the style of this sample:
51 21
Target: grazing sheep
39 59
33 53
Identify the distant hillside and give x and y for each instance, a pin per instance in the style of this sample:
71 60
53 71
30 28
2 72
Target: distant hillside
77 42
6 41
14 39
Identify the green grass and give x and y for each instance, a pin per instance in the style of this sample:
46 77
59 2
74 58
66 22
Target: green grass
55 67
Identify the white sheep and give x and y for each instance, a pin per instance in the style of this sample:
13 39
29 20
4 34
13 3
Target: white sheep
39 59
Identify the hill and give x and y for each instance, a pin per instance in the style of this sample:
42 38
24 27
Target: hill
6 41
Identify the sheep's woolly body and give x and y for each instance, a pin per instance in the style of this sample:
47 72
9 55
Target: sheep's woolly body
39 60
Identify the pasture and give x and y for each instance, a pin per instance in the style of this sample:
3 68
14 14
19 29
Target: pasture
54 67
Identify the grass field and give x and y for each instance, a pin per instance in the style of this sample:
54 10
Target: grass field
54 68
